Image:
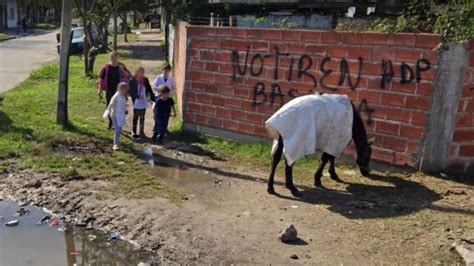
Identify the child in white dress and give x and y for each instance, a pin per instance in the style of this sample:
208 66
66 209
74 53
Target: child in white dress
116 110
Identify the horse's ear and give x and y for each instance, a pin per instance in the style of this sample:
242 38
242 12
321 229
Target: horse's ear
371 140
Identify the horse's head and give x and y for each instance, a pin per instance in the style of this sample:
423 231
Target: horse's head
363 158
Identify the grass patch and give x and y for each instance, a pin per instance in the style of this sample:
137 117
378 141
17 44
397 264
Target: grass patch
4 36
30 138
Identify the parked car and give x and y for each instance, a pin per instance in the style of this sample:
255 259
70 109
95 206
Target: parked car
77 42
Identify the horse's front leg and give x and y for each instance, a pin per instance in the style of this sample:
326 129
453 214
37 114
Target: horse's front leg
289 179
275 160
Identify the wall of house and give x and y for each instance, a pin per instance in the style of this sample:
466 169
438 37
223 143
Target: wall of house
236 78
12 13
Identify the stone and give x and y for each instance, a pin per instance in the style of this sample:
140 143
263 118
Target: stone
294 257
288 234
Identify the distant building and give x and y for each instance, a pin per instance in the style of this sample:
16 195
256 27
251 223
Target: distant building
8 14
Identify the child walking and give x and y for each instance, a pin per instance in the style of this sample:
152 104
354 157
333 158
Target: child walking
163 107
140 90
116 110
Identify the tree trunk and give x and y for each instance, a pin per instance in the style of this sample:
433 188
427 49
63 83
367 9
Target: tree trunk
125 27
62 113
115 30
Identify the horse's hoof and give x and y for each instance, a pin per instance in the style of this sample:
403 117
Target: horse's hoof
318 183
296 193
271 191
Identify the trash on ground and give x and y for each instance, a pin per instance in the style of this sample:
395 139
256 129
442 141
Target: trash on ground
91 237
12 223
443 175
113 237
74 253
288 234
294 207
62 229
89 226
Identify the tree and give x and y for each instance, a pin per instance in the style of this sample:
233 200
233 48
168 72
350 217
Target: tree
66 19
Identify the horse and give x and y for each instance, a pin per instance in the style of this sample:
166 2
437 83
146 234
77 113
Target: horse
359 137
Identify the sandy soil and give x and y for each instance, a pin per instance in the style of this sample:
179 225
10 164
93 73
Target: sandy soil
226 215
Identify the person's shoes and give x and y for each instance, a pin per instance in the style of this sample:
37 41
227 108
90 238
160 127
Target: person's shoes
136 137
116 147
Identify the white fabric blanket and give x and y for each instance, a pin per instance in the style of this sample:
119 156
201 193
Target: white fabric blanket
312 122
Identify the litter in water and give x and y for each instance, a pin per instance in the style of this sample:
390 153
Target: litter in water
12 223
54 223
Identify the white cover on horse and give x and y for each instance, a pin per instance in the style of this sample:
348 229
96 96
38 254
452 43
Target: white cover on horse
312 122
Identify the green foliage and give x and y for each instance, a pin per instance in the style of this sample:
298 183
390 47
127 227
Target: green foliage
352 26
454 21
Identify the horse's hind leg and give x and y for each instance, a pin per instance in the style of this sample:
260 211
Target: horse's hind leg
319 172
332 168
275 160
289 179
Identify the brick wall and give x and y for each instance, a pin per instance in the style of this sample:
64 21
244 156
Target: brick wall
236 78
461 150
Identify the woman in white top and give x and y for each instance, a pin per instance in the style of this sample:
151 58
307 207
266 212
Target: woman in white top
116 110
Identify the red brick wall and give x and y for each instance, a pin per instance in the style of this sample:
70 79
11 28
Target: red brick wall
217 95
461 150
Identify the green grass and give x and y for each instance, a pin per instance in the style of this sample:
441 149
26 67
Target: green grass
3 36
30 138
46 26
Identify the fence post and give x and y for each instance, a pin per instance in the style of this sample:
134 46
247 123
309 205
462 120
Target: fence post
447 90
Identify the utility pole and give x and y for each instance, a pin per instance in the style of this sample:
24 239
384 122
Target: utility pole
62 114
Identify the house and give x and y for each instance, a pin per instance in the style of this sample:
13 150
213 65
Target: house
8 14
315 14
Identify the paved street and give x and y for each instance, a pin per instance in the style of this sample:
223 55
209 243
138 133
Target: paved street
18 57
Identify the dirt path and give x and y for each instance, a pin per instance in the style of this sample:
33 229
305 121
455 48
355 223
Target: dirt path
226 215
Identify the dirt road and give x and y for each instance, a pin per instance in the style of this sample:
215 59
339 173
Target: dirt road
226 216
18 57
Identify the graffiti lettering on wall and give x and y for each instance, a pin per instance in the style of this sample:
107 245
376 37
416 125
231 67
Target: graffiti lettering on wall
244 63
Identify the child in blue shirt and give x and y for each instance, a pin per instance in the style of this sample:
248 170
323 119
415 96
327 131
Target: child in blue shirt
163 107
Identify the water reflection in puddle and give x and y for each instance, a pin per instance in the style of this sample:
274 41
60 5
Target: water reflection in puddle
30 243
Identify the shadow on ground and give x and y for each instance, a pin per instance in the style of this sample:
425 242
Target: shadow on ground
396 197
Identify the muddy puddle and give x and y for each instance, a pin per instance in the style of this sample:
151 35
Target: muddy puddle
51 243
